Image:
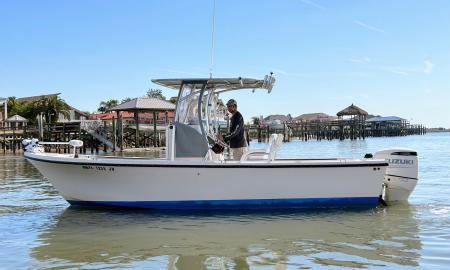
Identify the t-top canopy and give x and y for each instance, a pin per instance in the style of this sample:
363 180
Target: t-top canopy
221 84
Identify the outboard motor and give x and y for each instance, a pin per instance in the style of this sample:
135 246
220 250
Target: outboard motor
32 145
402 173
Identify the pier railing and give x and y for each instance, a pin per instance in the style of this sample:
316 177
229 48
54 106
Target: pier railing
99 130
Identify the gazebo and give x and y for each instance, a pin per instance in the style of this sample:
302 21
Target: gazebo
16 121
355 121
354 112
140 105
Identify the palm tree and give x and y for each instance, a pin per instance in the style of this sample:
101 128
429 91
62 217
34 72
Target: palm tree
155 93
126 99
14 107
255 120
51 107
106 105
25 109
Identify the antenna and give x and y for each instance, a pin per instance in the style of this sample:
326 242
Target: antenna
212 39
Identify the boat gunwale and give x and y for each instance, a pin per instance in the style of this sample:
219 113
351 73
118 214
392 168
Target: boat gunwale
95 162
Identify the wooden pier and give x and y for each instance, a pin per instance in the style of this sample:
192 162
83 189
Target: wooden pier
113 136
10 138
334 130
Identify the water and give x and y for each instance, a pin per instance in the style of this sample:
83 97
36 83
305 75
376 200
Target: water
38 229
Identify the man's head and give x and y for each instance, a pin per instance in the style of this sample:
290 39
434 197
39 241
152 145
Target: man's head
232 106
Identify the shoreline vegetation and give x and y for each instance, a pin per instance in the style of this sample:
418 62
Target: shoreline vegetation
440 129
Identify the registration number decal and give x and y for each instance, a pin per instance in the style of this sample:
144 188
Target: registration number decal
98 168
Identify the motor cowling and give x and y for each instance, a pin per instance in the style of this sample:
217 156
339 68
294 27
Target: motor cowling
402 173
32 145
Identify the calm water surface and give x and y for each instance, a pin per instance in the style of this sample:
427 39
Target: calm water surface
38 229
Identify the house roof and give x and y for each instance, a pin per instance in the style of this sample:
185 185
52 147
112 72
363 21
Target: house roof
352 110
125 114
110 115
281 117
314 117
16 118
145 104
78 111
385 119
36 98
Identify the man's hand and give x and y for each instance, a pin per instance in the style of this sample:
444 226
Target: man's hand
226 138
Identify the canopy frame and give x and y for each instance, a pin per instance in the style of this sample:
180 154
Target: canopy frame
189 117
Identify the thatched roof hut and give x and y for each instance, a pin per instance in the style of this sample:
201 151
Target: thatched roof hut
352 110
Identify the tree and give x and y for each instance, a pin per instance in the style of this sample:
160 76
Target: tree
173 100
155 93
108 104
14 107
256 121
51 107
126 99
25 109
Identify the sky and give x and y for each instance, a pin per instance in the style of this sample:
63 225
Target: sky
387 57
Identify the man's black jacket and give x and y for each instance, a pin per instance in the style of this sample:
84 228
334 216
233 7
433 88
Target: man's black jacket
236 136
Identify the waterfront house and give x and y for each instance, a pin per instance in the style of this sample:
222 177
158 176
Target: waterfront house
314 117
276 120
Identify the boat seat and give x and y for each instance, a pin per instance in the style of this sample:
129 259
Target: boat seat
275 142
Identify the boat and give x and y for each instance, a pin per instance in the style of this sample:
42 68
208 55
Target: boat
196 174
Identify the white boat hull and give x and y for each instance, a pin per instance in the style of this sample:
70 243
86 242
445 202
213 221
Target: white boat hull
163 184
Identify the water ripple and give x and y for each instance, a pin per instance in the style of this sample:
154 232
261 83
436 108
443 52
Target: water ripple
39 231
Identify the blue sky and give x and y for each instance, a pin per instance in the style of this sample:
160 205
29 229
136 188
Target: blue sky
388 57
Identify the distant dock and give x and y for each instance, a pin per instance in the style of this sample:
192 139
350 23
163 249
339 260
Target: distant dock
335 130
107 136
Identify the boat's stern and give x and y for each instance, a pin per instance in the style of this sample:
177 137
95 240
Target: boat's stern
402 173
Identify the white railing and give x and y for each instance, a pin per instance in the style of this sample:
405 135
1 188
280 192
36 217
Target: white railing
97 128
92 125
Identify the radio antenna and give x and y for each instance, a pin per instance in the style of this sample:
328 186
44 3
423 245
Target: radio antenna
212 39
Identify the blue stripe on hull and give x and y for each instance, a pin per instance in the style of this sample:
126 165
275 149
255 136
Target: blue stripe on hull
306 203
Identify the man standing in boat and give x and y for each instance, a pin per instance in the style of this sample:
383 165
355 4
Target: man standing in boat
236 137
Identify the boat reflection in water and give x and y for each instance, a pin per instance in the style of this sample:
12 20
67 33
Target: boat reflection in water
94 238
